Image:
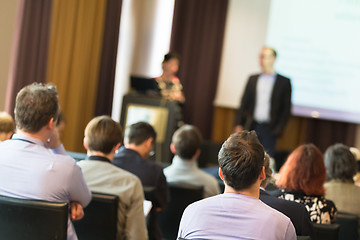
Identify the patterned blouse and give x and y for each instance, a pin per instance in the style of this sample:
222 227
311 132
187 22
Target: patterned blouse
169 89
320 209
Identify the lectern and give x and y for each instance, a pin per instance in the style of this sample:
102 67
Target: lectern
162 114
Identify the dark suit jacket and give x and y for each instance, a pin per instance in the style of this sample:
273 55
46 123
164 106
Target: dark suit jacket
151 175
295 211
280 104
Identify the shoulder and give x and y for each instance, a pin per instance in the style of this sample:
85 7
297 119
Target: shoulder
282 78
175 80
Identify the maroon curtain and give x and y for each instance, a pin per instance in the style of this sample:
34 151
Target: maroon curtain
108 58
197 36
30 49
324 133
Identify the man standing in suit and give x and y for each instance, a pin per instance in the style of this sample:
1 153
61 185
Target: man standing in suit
266 102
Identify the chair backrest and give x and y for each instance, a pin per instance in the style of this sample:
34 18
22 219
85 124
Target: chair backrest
181 195
100 220
77 156
303 238
326 231
32 219
348 226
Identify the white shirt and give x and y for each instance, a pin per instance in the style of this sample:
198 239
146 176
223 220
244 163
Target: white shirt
264 89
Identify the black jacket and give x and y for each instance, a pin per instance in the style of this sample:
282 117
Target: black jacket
280 104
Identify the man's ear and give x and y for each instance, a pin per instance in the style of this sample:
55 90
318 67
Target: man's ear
149 141
85 143
262 174
51 124
116 147
172 148
221 174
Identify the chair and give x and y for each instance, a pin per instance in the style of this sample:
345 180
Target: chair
32 219
303 238
181 195
348 226
100 220
76 155
326 231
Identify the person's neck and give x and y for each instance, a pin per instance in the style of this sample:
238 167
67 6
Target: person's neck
109 156
137 148
167 77
252 191
41 135
268 71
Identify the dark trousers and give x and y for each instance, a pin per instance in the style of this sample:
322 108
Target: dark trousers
266 137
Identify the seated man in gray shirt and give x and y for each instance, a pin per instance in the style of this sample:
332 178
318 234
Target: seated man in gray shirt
102 139
185 145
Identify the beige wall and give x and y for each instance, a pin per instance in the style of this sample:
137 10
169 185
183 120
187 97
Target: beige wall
7 22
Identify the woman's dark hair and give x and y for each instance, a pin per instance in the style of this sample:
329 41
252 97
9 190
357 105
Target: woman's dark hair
171 55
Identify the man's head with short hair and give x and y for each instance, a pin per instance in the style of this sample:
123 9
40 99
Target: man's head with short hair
140 137
102 134
36 104
340 163
7 126
241 160
186 141
139 132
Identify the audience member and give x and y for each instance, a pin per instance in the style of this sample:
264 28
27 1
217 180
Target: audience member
7 126
356 152
139 142
103 137
340 168
30 170
238 213
169 84
302 179
295 211
186 143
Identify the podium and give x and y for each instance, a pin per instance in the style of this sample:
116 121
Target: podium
162 114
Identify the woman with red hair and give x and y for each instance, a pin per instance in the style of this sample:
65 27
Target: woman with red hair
302 179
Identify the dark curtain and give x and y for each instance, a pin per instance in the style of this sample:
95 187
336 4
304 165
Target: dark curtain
30 49
197 36
324 133
108 58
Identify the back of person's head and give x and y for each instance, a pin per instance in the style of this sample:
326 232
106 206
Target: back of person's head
171 55
7 126
304 170
268 171
103 134
241 159
139 132
187 140
35 105
340 163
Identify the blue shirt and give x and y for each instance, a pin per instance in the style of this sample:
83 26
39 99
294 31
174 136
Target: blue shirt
234 216
29 170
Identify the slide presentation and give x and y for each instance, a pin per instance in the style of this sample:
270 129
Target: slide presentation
319 49
318 45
